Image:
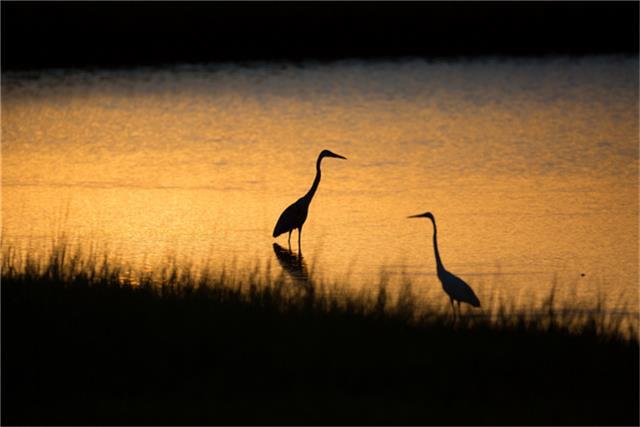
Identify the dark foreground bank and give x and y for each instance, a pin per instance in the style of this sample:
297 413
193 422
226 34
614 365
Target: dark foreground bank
81 347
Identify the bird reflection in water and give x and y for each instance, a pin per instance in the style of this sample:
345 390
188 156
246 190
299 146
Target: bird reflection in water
293 264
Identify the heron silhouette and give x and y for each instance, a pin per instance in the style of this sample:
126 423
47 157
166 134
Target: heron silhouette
296 214
457 289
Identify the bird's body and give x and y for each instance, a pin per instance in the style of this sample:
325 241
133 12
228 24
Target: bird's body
456 288
295 215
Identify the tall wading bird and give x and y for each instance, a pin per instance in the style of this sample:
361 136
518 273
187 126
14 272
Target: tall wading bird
454 286
295 215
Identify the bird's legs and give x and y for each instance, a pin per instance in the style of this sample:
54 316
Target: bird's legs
289 240
453 308
459 312
299 239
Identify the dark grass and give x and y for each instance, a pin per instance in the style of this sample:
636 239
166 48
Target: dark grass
82 345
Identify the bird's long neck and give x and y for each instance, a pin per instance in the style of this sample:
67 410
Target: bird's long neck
316 181
435 246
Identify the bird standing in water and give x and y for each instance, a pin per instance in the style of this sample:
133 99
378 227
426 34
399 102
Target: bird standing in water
454 286
295 215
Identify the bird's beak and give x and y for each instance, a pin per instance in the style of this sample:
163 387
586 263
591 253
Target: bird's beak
416 216
339 156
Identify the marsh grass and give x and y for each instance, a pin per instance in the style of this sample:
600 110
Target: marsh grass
87 341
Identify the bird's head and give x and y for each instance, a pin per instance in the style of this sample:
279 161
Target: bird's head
422 215
327 153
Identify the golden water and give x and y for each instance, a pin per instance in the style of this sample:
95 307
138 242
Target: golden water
530 167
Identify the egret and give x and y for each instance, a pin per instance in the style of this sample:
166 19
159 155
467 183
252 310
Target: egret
454 286
295 215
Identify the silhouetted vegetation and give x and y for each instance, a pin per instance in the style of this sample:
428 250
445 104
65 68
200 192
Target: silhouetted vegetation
86 342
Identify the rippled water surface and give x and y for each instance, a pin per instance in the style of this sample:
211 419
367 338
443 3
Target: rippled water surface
530 167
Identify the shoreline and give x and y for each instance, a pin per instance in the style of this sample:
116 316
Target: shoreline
90 350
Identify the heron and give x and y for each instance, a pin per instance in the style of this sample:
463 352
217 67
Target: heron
457 289
296 214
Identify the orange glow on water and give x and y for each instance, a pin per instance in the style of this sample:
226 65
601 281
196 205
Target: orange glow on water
528 175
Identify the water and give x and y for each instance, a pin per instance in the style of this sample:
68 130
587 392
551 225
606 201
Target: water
530 167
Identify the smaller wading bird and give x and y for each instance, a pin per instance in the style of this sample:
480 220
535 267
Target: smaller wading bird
454 286
295 215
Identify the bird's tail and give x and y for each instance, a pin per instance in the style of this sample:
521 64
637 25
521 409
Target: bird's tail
475 301
278 231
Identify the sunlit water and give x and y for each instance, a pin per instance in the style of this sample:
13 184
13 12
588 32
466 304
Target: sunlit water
530 167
